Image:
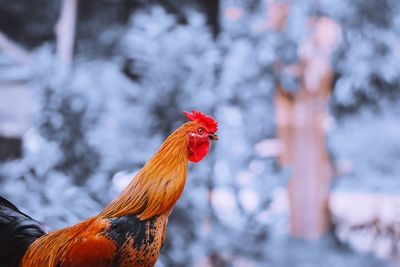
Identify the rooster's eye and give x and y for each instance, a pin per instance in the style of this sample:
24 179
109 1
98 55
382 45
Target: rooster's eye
200 131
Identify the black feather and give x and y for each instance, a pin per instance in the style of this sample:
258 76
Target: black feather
17 232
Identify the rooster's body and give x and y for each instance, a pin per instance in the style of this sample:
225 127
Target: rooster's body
120 241
130 231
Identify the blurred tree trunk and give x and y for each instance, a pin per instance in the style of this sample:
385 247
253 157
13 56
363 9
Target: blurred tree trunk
302 119
65 30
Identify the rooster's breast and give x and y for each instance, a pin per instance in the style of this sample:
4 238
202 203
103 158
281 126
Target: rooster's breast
137 241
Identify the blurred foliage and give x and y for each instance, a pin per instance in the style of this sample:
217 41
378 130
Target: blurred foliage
366 64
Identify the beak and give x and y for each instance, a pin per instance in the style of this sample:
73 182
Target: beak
213 137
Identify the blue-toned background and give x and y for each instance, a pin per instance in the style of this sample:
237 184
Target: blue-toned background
306 172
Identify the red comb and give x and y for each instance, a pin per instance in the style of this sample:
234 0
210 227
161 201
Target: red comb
208 121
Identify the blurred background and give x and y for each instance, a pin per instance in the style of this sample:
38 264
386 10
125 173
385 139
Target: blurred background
306 172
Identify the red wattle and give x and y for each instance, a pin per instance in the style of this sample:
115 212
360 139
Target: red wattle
199 151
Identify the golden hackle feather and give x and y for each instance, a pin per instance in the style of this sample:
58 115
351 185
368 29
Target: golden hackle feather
159 184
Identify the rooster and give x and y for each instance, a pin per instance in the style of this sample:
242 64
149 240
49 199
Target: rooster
130 231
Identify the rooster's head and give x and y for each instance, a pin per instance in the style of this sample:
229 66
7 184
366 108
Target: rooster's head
202 129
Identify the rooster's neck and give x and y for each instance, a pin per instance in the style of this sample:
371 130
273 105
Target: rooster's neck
158 185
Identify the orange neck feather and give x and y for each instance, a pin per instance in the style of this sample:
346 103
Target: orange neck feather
158 185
